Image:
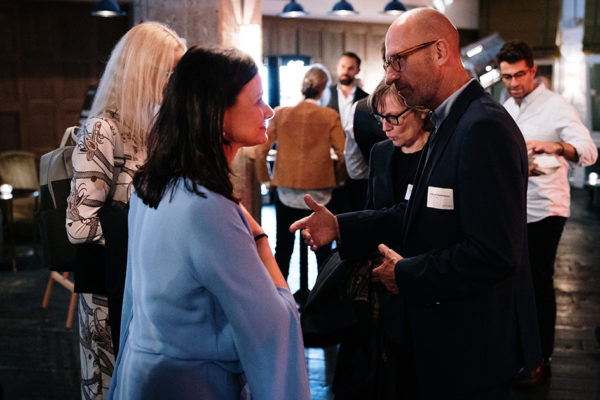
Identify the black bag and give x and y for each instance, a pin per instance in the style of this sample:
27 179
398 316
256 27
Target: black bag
328 314
113 219
56 171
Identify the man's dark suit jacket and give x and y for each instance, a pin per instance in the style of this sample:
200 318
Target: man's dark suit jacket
465 275
333 100
367 131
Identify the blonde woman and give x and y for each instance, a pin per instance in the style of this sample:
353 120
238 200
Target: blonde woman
304 133
125 104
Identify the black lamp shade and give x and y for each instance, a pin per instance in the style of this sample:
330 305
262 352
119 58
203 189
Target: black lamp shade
107 8
394 7
292 10
342 7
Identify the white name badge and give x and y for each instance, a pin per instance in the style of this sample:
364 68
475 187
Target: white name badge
440 198
408 192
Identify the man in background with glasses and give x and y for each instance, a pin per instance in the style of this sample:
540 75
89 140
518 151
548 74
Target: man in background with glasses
554 136
457 253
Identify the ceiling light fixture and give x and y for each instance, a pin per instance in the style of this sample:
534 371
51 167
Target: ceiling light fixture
342 8
394 7
107 8
292 10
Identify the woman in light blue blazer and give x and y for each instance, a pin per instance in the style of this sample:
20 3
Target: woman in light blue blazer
207 313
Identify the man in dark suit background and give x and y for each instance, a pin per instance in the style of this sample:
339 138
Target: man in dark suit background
457 253
348 67
343 98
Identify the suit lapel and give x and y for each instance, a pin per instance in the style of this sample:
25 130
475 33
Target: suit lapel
389 177
333 100
434 150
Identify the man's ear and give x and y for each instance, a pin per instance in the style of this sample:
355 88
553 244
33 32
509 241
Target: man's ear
534 70
441 51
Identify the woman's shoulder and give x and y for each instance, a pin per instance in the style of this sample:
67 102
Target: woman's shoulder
205 200
385 145
207 210
106 125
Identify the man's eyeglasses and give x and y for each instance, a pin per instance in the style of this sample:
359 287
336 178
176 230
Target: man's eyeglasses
518 76
398 61
391 119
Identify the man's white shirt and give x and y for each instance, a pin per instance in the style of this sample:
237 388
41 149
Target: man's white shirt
545 116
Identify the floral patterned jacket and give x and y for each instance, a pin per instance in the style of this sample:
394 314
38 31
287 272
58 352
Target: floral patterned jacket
92 177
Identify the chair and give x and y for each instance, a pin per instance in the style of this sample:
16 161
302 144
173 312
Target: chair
63 279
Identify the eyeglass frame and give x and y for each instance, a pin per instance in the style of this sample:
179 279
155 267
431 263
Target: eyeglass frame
517 75
404 55
395 118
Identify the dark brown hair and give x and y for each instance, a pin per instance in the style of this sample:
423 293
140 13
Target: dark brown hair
186 140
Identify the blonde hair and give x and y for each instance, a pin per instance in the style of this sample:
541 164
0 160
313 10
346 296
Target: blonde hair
135 76
315 81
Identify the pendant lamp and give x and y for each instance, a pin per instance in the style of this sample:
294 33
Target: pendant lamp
292 10
394 7
342 8
107 8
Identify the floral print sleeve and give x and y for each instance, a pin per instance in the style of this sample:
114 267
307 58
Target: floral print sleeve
93 160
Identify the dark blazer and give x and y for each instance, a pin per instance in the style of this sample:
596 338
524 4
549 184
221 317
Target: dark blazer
333 100
367 131
380 193
465 275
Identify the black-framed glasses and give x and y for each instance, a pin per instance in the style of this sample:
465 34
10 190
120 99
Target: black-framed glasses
398 60
518 75
391 119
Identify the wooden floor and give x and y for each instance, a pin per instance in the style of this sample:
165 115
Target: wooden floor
39 357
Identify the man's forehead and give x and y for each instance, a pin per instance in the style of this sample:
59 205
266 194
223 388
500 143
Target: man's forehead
396 39
516 66
347 60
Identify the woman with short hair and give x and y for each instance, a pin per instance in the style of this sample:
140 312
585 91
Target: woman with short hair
305 135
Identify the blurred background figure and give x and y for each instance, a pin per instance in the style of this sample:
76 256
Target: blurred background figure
305 135
344 96
555 137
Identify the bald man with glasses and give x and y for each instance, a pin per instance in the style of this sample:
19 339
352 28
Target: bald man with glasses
457 253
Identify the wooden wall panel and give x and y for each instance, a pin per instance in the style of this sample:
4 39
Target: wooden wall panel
39 124
269 39
38 78
51 52
373 64
286 38
9 90
325 41
356 41
309 38
8 30
9 138
39 28
333 47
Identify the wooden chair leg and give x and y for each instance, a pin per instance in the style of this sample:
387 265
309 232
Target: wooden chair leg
72 304
63 279
48 291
